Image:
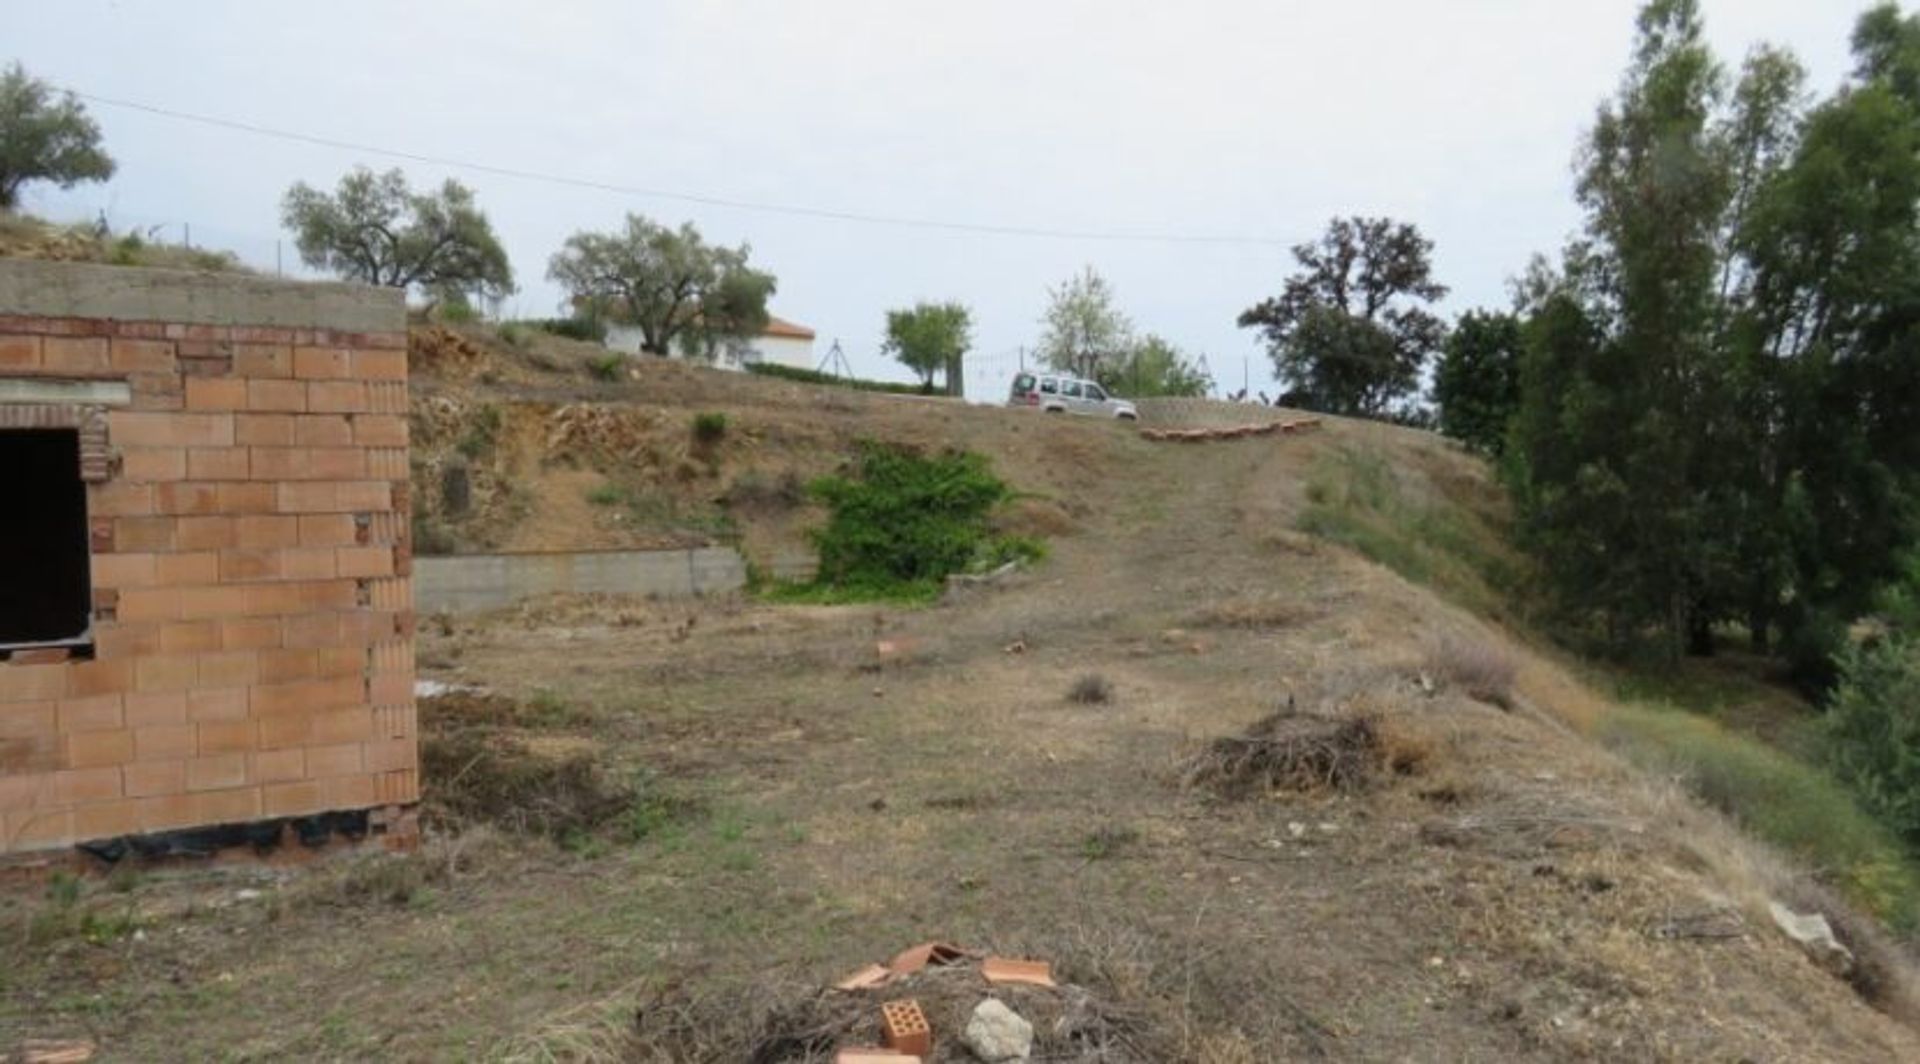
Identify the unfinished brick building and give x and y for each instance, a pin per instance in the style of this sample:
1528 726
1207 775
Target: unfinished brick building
206 616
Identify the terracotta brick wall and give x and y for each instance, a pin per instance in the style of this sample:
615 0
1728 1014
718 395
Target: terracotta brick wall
252 651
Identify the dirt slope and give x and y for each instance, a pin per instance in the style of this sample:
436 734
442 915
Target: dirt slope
1504 891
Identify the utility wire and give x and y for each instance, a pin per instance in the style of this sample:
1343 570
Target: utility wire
686 197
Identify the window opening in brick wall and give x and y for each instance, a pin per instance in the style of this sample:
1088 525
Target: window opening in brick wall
46 596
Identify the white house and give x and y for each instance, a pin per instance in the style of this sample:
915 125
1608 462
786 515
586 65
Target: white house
782 342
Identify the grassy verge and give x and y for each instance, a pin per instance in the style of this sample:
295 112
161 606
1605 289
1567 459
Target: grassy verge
808 376
1773 788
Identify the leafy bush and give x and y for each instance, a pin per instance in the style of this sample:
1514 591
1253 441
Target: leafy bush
1873 732
607 367
808 376
586 329
1090 689
710 427
606 495
514 334
907 520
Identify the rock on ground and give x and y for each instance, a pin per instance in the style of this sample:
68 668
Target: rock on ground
997 1033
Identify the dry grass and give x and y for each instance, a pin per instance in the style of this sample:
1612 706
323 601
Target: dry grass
1289 751
1478 668
1254 615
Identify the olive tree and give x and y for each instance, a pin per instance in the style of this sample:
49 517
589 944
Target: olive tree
45 135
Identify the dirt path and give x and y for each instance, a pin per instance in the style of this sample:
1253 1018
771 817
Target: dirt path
1512 896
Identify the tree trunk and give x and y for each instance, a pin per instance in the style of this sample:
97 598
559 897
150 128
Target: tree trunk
1699 634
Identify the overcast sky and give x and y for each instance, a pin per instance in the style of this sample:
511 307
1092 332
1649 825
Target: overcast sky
1255 120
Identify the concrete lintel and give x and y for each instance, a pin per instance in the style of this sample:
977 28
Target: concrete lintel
51 391
128 293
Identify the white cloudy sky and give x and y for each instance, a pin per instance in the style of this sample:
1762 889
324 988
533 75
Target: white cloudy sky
1245 119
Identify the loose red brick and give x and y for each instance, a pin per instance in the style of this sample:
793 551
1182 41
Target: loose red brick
75 354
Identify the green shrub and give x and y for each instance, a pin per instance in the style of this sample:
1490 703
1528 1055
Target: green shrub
482 434
514 334
1787 802
607 367
905 521
586 329
1873 731
808 376
710 427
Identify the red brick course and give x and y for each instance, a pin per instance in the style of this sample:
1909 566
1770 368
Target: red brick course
252 648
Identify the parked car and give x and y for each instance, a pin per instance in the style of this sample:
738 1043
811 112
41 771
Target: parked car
1058 394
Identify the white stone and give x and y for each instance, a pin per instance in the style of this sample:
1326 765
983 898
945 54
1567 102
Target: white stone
997 1033
1815 936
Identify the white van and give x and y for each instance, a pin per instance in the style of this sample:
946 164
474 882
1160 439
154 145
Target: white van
1068 395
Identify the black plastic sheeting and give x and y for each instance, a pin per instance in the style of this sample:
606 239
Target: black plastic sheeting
263 835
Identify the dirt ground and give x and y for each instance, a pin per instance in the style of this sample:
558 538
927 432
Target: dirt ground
1501 889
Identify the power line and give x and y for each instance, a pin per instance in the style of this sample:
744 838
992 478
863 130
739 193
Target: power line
797 210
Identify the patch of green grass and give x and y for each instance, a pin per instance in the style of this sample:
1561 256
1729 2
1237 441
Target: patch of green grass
607 367
709 427
1107 841
606 495
806 594
1789 803
1356 499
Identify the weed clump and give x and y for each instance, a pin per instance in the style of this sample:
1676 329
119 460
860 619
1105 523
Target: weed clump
480 769
1292 752
1090 689
606 367
709 428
